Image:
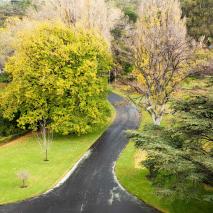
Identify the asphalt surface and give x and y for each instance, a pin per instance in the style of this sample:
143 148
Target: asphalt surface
92 187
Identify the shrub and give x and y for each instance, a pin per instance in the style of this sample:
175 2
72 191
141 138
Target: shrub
23 175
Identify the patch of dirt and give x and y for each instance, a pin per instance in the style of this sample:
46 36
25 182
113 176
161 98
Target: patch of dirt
139 156
2 85
19 139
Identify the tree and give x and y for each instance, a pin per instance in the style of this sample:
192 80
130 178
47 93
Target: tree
6 40
162 54
179 156
120 48
8 128
56 80
129 8
92 14
23 176
45 138
199 18
18 9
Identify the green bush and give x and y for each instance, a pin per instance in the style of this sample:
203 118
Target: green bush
131 14
8 128
4 78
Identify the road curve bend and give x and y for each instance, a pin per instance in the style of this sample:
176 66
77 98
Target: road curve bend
92 187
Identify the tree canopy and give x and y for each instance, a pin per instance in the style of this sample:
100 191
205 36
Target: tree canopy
162 54
56 79
199 18
93 14
180 156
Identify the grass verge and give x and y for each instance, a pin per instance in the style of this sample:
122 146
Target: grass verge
136 183
25 154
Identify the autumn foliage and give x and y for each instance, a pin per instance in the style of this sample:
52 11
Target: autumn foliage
58 80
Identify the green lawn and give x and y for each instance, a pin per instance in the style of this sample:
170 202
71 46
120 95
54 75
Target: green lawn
136 183
26 154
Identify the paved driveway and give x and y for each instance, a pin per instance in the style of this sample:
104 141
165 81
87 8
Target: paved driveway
92 187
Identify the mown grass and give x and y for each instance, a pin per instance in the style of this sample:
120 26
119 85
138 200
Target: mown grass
135 180
26 154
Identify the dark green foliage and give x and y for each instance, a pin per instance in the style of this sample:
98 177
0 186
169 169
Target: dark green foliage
196 121
199 15
131 14
180 156
8 128
4 78
121 51
127 67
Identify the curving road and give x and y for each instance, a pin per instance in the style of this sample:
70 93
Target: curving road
92 187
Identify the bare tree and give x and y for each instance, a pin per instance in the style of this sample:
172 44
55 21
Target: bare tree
23 175
92 14
162 54
45 137
66 11
8 35
89 13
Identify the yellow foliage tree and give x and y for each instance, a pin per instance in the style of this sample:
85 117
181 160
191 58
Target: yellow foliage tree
57 80
162 53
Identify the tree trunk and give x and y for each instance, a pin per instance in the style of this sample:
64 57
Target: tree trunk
46 155
45 142
23 184
156 113
156 119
